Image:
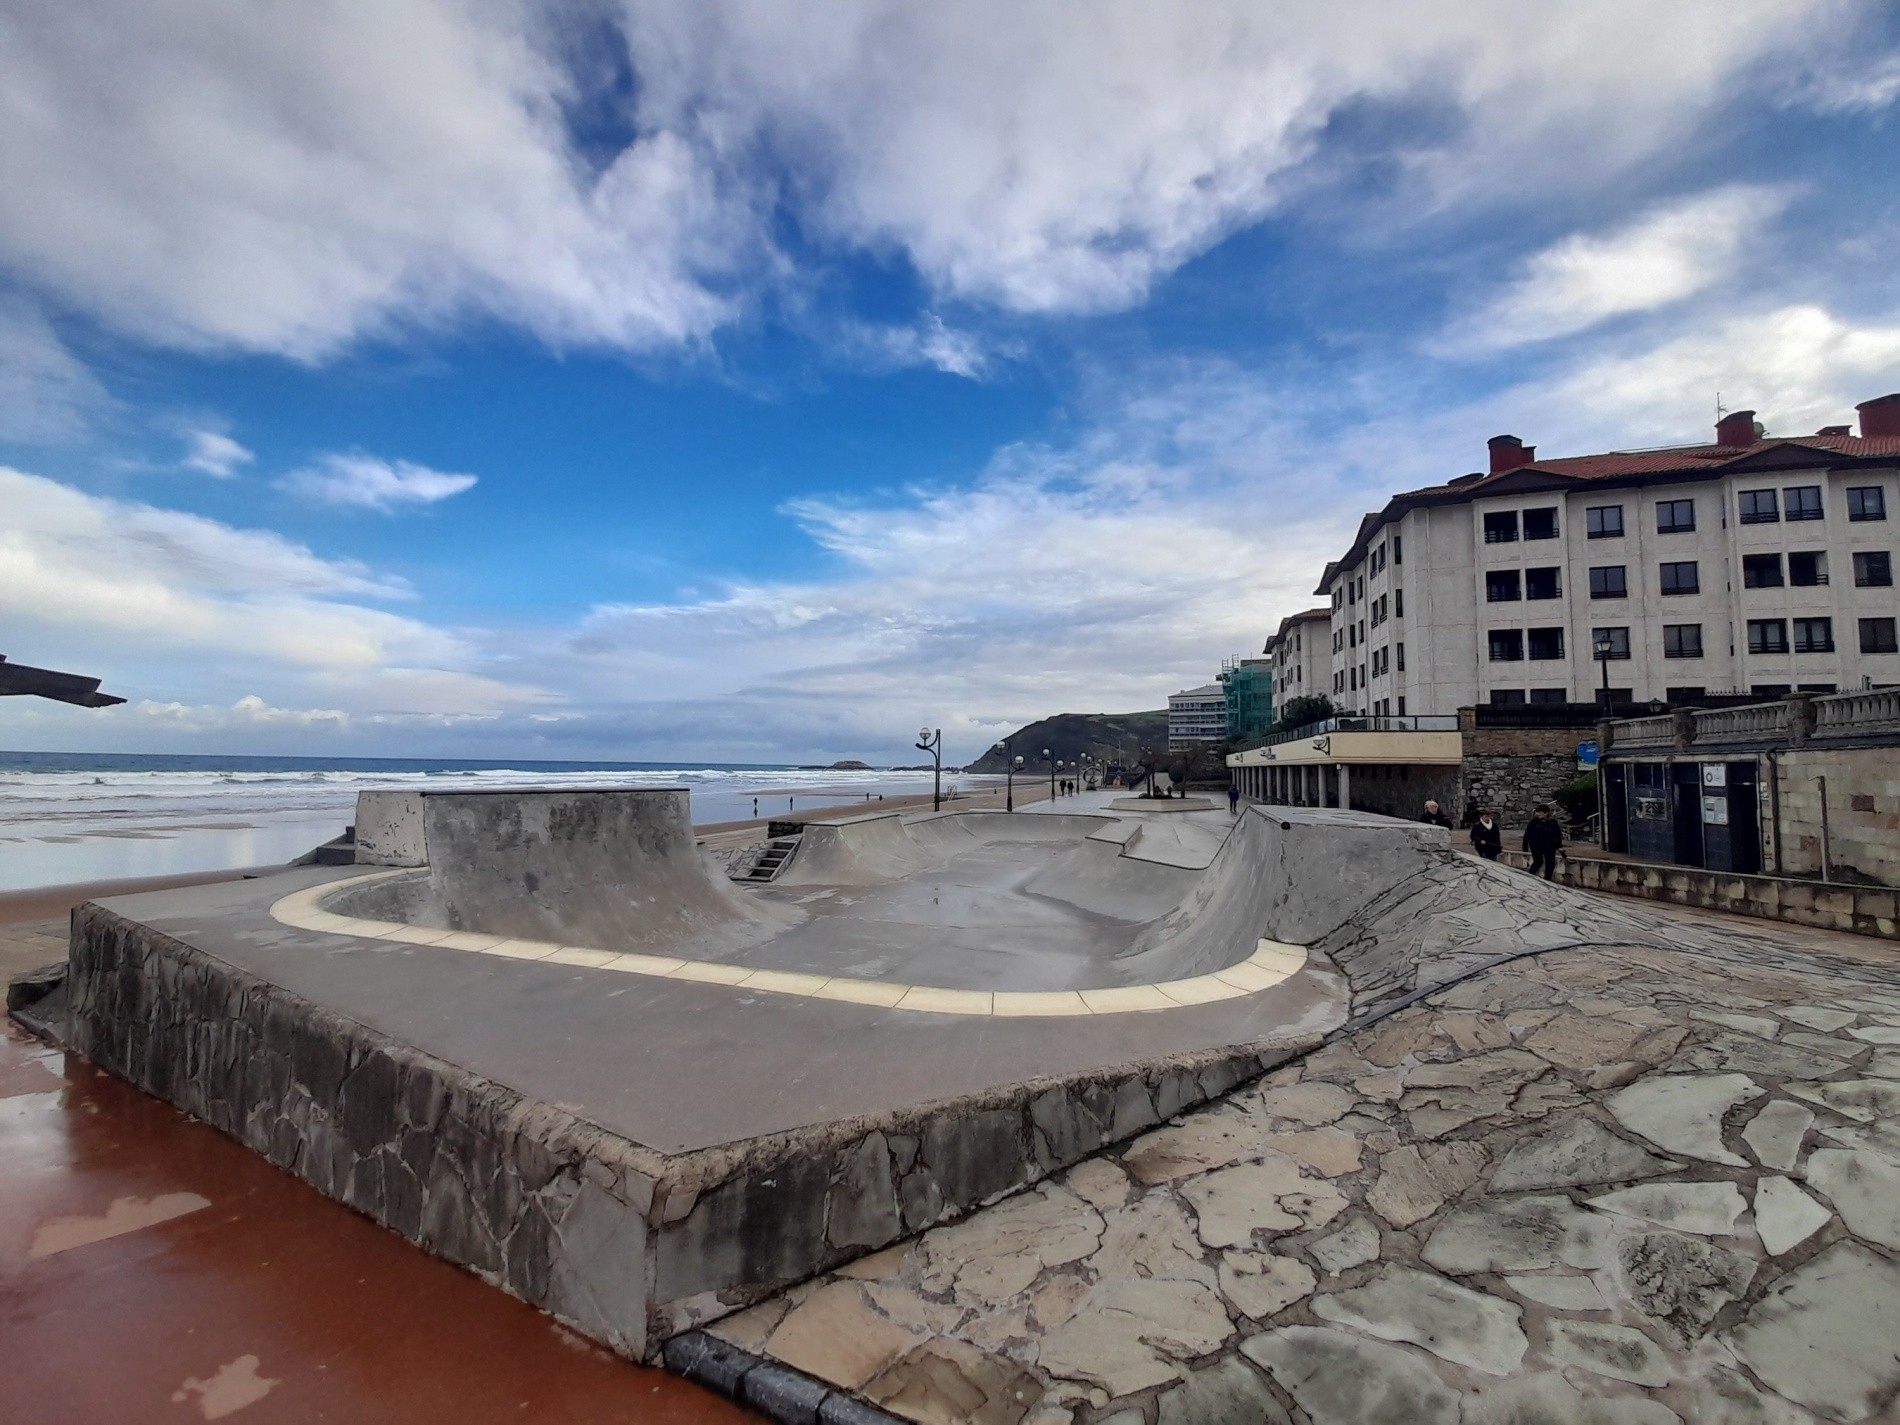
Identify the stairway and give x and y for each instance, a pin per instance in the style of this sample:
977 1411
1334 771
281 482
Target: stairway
773 859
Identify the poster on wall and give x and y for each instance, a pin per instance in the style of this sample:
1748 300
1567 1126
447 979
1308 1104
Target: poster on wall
1715 811
1715 774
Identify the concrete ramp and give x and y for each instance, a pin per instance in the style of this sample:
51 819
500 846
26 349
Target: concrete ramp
864 851
1283 873
610 867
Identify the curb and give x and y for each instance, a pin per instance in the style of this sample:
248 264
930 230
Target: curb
776 1391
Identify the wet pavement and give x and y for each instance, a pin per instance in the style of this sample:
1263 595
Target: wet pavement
153 1270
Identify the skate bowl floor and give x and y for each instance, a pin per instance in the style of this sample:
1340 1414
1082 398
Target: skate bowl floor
640 1111
974 913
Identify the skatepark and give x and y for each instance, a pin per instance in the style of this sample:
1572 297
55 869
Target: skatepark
549 1038
546 1037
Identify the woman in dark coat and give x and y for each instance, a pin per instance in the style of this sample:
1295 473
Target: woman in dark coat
1486 838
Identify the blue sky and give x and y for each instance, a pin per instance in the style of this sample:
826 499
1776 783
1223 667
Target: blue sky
758 383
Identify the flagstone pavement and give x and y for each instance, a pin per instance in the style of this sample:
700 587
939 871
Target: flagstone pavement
1615 1186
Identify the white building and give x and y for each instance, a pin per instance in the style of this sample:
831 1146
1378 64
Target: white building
1755 564
1302 660
1197 715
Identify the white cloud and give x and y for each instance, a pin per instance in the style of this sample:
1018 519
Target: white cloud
215 454
929 342
46 394
1800 367
288 179
160 599
1669 253
1850 88
365 483
1050 159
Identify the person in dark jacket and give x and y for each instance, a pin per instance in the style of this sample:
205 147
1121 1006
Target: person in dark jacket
1542 837
1486 839
1434 817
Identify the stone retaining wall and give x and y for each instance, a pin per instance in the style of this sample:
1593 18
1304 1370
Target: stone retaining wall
627 1245
1512 769
1858 910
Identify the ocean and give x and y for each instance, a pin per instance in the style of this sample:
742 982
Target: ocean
77 817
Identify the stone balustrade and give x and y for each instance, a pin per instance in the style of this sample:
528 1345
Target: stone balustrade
1792 720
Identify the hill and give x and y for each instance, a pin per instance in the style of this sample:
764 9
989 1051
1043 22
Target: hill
1107 737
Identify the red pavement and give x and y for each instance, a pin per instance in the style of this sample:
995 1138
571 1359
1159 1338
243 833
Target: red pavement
153 1270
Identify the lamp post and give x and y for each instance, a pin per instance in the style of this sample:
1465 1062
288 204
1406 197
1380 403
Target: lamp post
1050 758
1603 645
933 744
1010 763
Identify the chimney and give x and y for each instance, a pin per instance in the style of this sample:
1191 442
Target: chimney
1508 452
1835 430
1880 416
1736 428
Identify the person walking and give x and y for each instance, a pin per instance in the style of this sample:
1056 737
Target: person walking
1233 799
1542 838
1434 817
1486 839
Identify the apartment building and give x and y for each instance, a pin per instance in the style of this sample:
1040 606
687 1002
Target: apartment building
1753 564
1197 715
1302 662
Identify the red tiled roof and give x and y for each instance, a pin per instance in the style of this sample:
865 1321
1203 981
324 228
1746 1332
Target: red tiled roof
1677 459
1689 460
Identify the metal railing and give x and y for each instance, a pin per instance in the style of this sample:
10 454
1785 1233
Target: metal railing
1347 722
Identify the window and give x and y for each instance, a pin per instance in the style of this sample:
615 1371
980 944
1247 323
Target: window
1547 644
1501 586
1866 502
1817 687
1507 645
1398 549
1758 506
1685 695
1541 523
1675 516
1507 697
1398 603
1352 635
1877 636
1802 502
1771 690
1352 593
1873 570
1544 697
1542 584
1767 635
1401 657
1681 578
1501 528
1814 635
1604 521
1761 571
1619 641
1807 570
1682 640
1609 582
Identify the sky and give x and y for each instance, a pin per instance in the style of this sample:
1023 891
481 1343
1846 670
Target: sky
747 382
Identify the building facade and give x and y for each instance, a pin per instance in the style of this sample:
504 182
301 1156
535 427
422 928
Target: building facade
1249 686
1751 565
1302 662
1197 715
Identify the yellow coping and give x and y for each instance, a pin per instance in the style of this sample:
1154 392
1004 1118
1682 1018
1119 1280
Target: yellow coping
1272 963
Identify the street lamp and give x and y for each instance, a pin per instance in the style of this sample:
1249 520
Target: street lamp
1604 643
1010 765
1050 758
933 744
